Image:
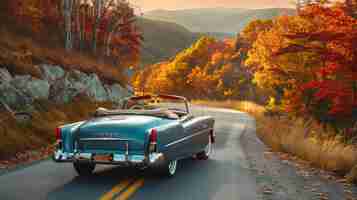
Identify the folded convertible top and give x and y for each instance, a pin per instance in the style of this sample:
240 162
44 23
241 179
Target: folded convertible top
161 112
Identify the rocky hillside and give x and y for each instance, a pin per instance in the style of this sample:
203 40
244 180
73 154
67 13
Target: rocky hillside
56 85
32 107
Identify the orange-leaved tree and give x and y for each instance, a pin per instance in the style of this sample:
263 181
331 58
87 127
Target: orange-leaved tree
310 61
208 69
106 28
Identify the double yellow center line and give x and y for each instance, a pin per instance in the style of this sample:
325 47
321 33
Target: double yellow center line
124 190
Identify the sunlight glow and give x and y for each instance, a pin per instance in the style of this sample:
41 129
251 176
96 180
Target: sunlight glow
147 5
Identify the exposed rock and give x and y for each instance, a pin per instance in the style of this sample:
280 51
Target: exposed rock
32 87
76 83
51 72
5 76
12 96
64 89
23 117
95 88
57 85
116 92
77 76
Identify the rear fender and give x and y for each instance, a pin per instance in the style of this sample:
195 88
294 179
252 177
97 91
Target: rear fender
168 134
67 133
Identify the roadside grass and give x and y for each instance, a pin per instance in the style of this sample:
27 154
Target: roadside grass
39 132
245 106
321 148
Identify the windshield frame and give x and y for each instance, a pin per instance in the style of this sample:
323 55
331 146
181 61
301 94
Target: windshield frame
160 96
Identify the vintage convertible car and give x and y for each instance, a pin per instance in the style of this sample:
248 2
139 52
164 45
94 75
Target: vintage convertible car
152 131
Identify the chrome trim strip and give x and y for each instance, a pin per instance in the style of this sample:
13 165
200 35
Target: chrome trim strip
103 139
127 150
188 137
118 159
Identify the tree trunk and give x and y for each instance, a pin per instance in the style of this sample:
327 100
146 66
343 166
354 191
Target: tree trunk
98 13
112 29
107 44
67 13
77 25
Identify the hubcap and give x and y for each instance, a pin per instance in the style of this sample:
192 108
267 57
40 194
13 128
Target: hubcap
172 167
208 147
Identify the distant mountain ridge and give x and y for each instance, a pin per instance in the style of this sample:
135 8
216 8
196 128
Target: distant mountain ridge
168 32
224 20
163 40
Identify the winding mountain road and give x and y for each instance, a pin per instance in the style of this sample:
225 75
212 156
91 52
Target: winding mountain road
230 174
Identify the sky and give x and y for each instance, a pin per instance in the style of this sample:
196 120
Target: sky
147 5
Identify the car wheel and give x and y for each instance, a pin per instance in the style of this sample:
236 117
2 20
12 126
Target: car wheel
204 155
84 169
168 169
172 166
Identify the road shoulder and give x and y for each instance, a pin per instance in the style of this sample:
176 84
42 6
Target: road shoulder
285 179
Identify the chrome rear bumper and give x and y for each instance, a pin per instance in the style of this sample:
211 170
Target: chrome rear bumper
117 159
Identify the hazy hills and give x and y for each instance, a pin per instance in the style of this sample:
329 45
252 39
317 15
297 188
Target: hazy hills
168 32
163 40
226 20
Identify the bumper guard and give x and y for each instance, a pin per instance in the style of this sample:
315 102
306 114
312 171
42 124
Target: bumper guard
117 159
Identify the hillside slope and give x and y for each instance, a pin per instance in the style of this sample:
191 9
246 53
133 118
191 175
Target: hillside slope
163 40
227 20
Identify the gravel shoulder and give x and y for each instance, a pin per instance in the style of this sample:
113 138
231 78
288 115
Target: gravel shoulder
279 178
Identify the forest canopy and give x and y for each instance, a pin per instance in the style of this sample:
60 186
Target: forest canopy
104 29
208 69
305 64
310 62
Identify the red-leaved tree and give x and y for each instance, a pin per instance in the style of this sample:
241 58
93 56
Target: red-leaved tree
331 96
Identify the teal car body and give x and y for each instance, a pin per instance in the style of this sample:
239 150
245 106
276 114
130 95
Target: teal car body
143 138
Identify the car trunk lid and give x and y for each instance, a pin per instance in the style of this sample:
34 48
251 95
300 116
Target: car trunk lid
116 133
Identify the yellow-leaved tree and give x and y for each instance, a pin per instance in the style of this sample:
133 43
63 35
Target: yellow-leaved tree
208 69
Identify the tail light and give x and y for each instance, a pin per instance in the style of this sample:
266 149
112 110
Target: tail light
58 134
153 140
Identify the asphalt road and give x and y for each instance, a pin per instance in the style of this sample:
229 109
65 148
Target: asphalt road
224 176
227 175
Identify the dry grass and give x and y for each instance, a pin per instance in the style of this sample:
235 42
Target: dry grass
21 54
18 137
245 106
321 149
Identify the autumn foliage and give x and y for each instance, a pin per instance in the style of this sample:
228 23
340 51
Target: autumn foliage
103 28
310 63
306 63
208 69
